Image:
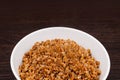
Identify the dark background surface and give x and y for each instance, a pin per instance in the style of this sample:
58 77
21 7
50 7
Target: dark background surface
100 19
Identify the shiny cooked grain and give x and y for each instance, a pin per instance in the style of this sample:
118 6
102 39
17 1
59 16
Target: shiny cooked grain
59 59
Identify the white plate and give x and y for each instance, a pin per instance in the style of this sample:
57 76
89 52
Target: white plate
82 38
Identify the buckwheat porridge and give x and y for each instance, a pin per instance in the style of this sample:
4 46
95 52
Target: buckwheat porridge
59 59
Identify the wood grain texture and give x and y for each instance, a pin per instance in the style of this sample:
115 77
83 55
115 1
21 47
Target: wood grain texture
100 19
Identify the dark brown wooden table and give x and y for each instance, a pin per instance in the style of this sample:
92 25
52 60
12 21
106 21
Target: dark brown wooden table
100 19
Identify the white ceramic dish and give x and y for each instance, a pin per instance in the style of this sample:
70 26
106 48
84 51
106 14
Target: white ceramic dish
82 38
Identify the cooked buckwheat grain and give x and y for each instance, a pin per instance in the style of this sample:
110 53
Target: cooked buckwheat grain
59 59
